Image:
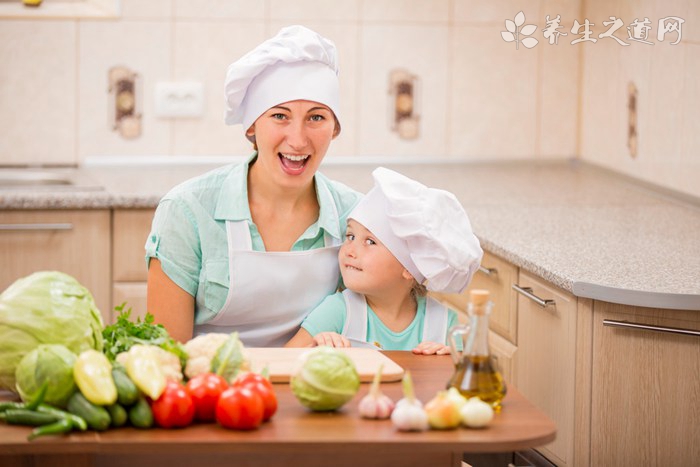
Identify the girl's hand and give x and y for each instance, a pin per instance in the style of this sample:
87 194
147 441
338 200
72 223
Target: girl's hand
431 348
331 339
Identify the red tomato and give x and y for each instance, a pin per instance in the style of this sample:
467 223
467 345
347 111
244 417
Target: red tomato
263 387
205 390
174 408
240 408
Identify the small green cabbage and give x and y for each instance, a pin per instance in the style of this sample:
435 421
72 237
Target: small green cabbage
326 379
46 307
47 363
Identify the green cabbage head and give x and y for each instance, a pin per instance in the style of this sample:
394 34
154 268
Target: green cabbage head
326 379
47 363
46 307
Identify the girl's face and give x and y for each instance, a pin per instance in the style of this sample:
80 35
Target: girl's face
367 266
292 139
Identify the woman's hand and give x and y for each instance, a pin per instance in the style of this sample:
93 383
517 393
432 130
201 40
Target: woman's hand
431 348
331 339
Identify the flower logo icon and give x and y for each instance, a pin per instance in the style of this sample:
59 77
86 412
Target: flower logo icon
515 31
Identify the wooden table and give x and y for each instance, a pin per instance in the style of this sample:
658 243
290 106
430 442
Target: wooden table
296 436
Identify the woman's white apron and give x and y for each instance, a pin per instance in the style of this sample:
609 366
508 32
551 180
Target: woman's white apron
270 293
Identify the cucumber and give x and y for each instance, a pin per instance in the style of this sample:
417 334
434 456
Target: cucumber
96 417
127 392
140 414
118 415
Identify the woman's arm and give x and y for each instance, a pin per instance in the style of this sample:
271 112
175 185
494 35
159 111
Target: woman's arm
169 304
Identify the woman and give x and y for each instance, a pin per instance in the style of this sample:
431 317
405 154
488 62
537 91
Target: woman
253 247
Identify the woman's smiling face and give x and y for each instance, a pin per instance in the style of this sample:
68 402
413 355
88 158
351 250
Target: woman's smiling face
292 139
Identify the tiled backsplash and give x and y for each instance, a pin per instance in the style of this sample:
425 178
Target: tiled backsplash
480 98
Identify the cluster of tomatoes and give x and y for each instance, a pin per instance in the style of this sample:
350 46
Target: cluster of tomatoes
242 405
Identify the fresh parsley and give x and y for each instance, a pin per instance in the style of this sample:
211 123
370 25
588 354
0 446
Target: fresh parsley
124 333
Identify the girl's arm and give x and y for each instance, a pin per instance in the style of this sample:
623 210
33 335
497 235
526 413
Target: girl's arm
301 339
331 339
169 304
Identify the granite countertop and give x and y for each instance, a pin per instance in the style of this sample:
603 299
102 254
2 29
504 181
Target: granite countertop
588 231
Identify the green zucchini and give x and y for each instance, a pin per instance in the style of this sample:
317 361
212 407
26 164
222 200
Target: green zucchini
118 415
140 414
96 417
127 392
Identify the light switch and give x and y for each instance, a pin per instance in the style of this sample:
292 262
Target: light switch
184 99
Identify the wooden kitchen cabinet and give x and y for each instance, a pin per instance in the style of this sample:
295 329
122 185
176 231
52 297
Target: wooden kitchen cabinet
495 275
645 403
545 360
131 228
76 242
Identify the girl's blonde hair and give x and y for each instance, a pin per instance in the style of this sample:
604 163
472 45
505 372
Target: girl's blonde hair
418 290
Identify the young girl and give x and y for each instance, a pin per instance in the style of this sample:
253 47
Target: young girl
400 236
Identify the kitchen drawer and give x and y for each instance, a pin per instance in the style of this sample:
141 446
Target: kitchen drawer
545 361
497 276
74 242
131 229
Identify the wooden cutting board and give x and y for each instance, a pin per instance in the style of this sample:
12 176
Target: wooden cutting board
283 362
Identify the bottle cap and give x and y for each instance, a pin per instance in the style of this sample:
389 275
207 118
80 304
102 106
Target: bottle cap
479 296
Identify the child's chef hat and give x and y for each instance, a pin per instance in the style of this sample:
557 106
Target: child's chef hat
297 63
426 229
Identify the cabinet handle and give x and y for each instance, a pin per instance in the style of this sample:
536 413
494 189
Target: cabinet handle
56 226
488 271
649 327
527 291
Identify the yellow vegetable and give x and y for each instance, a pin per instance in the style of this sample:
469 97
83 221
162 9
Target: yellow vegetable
92 373
143 367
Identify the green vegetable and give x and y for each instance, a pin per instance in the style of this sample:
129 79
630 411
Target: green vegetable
46 307
28 417
77 422
117 414
326 379
127 392
51 364
96 417
229 358
62 425
123 334
140 414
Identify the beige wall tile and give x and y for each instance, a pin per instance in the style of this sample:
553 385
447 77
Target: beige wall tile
202 52
38 92
422 51
690 152
406 10
219 9
345 37
150 9
493 96
603 125
313 10
479 11
142 46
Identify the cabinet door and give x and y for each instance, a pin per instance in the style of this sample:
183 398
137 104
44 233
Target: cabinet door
131 228
545 360
502 352
495 275
134 295
74 242
645 407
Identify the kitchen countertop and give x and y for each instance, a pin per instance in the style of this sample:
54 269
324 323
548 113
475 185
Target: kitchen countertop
589 231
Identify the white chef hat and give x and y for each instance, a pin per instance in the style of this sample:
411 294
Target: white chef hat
296 64
426 229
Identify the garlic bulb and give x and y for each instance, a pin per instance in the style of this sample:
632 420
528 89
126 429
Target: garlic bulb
409 414
375 404
476 413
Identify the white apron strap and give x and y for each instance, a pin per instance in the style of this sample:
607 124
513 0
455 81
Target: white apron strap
355 315
238 233
435 321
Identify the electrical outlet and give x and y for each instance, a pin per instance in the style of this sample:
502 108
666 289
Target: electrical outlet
179 99
632 133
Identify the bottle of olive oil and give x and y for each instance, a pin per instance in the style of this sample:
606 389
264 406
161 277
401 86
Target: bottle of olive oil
475 373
